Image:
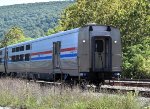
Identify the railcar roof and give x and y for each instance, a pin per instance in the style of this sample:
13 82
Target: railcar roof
46 37
94 24
55 35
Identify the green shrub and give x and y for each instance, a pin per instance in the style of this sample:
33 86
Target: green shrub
136 61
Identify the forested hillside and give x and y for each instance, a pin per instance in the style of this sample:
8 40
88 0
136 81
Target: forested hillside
35 19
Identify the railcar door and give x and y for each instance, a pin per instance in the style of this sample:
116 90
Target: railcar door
101 54
56 54
57 71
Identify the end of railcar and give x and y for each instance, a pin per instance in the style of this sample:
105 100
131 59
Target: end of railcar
99 52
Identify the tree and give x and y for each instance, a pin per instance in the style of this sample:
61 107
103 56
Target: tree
13 36
137 60
131 16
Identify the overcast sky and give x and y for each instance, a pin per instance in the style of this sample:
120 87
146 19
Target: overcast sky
12 2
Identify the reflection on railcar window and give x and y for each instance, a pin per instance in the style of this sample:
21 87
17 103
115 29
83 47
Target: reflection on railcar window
22 48
27 57
99 45
27 47
13 49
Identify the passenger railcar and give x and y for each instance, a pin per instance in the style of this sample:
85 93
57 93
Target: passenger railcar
92 52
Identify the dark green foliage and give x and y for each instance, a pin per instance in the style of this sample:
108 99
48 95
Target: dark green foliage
35 18
132 17
136 60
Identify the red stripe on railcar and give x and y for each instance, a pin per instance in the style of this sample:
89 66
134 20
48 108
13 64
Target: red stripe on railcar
68 49
45 52
48 52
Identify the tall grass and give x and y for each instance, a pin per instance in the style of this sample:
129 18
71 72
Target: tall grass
23 95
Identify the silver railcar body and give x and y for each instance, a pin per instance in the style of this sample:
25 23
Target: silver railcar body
93 51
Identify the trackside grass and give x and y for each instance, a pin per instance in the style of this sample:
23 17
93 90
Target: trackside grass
19 94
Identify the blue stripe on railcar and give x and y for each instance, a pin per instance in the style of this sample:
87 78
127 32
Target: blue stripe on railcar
50 57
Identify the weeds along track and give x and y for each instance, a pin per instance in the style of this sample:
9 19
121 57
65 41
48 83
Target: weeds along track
116 87
23 94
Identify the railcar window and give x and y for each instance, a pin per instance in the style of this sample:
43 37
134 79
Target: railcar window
0 60
22 48
13 58
27 57
54 48
21 57
28 47
17 57
0 52
17 49
99 45
58 46
13 49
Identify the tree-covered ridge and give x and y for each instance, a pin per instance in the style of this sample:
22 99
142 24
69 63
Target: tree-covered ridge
35 18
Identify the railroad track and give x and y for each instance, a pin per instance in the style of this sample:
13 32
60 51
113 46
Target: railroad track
141 91
129 83
142 87
116 87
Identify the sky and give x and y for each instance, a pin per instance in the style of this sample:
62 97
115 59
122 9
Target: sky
12 2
